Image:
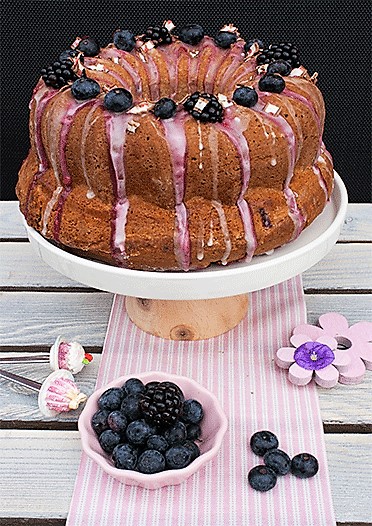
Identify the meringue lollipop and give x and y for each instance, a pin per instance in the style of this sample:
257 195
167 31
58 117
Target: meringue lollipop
57 394
62 355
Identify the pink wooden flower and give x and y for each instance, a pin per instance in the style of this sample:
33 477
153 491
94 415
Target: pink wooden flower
355 340
312 358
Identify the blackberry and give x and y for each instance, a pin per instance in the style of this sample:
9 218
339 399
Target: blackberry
284 51
124 39
204 107
225 39
191 34
89 46
58 74
69 54
158 35
161 404
271 83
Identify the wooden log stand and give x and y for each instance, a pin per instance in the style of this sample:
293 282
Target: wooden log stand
187 320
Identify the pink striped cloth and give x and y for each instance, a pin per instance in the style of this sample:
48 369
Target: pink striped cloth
239 368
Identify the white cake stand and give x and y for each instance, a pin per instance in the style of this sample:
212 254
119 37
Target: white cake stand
184 305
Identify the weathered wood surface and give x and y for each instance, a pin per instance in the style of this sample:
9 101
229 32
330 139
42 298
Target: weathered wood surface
357 225
343 406
346 267
36 318
35 462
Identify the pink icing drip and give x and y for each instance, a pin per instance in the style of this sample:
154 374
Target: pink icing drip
174 130
121 55
297 217
233 128
217 58
56 394
249 67
172 56
237 52
153 75
92 61
116 126
321 181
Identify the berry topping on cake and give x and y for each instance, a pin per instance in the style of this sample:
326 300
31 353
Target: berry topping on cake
262 478
250 43
263 441
225 39
284 51
151 461
192 412
158 35
304 465
165 108
204 107
271 83
89 46
118 100
278 461
191 34
279 66
59 73
245 96
124 39
69 54
162 404
85 88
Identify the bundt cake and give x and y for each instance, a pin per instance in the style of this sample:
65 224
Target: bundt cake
173 150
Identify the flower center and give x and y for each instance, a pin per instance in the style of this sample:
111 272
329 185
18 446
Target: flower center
313 356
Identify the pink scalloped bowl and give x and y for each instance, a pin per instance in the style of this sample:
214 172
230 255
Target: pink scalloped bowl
214 426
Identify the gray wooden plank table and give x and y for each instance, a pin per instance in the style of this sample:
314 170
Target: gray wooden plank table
37 303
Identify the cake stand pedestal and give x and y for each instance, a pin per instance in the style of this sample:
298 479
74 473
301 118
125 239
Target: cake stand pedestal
204 303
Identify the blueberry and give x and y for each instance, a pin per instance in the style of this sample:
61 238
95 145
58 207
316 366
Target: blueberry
178 456
118 100
131 408
279 66
193 431
278 461
89 46
151 461
138 432
249 44
225 39
68 54
157 442
85 88
304 465
133 386
194 448
191 34
108 440
125 456
124 39
245 96
263 441
176 433
117 421
99 421
262 478
271 83
165 108
110 399
192 412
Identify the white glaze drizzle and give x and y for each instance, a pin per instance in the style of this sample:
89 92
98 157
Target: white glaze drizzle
41 98
113 53
49 207
213 147
321 181
225 230
201 146
200 242
90 119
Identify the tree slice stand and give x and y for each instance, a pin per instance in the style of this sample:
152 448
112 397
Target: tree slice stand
205 303
187 319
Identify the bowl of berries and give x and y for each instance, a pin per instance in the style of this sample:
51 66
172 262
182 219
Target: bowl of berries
152 429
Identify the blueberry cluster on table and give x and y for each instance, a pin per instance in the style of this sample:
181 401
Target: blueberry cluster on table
148 427
278 59
276 462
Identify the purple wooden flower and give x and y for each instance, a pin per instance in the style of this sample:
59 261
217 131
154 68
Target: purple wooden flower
313 356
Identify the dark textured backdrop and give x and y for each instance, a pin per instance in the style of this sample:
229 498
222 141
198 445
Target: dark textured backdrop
333 36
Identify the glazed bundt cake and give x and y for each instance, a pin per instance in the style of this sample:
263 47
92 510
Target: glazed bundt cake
173 150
